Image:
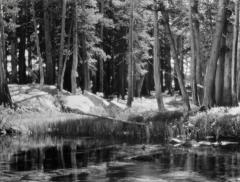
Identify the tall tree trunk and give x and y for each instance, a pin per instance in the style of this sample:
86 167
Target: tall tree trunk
168 71
197 40
140 85
176 60
101 70
234 55
21 32
39 56
122 78
60 63
176 84
209 79
131 61
175 79
238 75
85 57
227 93
194 56
48 46
14 53
29 48
157 65
75 51
5 97
220 74
180 49
66 59
85 64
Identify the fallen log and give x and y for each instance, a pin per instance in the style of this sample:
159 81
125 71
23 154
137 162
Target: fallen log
146 126
75 111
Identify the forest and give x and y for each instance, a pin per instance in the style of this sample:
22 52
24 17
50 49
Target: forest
119 47
123 49
119 90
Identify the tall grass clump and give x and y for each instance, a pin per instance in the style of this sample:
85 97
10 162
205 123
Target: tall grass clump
93 127
166 124
217 122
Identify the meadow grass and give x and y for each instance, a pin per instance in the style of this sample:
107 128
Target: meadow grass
64 124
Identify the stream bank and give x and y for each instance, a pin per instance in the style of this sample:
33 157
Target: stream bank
46 110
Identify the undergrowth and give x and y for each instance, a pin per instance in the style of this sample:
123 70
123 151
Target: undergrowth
216 124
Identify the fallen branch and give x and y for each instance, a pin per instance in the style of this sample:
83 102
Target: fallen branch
106 117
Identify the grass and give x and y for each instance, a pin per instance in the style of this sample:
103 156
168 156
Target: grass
166 124
57 123
220 123
69 124
39 112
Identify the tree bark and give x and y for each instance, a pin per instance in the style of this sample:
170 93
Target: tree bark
168 70
196 32
234 55
131 61
68 55
140 85
21 32
48 46
123 78
157 66
14 53
5 97
192 8
101 70
60 63
176 60
85 64
227 93
39 56
85 58
209 79
75 51
220 74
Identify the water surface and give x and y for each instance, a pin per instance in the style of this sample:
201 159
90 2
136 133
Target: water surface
88 160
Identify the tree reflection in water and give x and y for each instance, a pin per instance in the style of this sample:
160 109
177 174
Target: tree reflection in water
96 160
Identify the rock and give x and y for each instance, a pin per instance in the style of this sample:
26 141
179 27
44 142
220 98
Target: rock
175 141
185 143
226 143
205 143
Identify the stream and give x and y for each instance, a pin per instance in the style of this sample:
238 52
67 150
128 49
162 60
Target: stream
65 159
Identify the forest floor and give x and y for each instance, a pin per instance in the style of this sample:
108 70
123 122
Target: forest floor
37 109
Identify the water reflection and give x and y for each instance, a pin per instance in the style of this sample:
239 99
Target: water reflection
59 159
